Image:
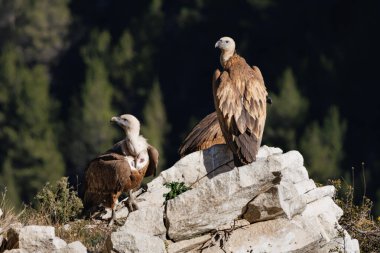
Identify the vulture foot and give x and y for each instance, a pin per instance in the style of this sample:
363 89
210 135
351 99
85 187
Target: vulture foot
114 220
132 205
131 202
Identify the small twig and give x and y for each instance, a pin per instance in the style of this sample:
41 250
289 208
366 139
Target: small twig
226 163
364 183
373 232
353 178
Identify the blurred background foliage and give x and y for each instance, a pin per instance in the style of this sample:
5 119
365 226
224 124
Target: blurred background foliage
67 66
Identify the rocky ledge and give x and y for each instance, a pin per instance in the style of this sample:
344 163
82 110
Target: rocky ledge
270 205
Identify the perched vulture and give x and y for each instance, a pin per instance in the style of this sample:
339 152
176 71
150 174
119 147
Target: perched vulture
240 100
120 169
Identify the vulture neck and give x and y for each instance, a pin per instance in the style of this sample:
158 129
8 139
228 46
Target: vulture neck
135 144
225 56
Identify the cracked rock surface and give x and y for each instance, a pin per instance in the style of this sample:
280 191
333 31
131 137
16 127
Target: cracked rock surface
270 205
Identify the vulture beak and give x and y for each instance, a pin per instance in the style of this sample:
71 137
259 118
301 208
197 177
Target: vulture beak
114 119
217 44
117 120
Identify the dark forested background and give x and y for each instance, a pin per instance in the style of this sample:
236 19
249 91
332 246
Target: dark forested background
66 67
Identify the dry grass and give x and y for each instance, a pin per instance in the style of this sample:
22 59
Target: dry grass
92 234
59 206
357 218
9 215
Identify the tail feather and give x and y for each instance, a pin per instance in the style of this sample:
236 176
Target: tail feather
247 148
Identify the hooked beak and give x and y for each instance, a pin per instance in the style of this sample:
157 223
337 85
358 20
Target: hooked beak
217 44
116 120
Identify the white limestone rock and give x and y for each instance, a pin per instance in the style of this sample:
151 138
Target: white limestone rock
127 241
33 239
279 235
217 201
190 245
149 220
74 247
283 210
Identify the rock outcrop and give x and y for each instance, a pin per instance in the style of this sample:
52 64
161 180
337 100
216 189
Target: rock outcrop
39 239
270 205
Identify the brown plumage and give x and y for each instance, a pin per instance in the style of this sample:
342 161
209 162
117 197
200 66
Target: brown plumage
120 169
240 100
205 134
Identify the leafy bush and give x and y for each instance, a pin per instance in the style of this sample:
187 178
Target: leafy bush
58 203
357 219
176 188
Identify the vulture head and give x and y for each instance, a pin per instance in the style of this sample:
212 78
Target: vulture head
129 123
227 47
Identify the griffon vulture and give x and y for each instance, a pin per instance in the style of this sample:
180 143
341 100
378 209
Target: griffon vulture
120 169
240 100
205 134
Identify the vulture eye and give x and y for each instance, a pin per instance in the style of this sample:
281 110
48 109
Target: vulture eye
227 41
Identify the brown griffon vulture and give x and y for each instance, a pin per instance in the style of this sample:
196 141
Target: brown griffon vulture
240 100
120 169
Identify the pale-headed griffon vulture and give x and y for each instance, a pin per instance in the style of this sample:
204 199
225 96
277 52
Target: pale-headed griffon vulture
120 169
240 99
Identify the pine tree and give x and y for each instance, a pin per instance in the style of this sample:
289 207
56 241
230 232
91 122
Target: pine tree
322 146
123 71
42 29
156 125
286 114
29 153
89 130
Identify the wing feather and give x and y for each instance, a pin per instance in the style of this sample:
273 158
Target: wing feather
204 135
105 177
153 161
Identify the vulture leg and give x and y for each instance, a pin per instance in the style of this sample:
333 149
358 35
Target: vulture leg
113 217
131 202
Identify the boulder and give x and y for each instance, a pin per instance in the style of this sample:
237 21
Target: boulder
128 241
33 239
149 220
190 245
225 196
279 235
74 247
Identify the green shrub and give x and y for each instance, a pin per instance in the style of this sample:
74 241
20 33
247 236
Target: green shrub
176 188
58 203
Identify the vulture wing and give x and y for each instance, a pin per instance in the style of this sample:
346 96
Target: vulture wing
117 148
105 178
205 134
240 102
153 161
